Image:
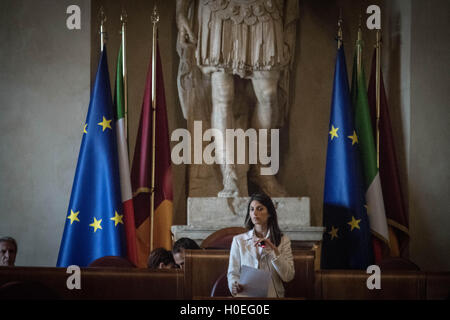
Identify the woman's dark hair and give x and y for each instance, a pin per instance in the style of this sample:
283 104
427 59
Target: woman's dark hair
184 243
160 255
272 222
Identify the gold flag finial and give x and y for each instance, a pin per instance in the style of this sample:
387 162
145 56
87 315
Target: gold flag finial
360 28
339 33
155 15
123 16
359 45
102 15
103 37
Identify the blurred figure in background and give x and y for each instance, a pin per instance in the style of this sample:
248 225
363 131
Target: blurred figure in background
178 249
161 258
8 251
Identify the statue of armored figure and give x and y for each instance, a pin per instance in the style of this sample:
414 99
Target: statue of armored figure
224 44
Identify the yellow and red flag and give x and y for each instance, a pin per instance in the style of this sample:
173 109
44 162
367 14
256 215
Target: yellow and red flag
141 172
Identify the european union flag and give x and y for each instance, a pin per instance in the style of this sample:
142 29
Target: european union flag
346 242
94 224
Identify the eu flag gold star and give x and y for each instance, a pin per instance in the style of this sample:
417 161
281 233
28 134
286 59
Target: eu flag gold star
96 224
354 223
84 129
333 232
117 219
105 124
333 132
354 137
73 216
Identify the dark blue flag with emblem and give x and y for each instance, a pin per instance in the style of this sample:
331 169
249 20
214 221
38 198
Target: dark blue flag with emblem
94 223
346 241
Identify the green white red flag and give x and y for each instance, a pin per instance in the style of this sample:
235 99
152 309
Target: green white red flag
124 165
364 132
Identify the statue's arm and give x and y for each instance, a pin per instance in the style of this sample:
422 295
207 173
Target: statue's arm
186 34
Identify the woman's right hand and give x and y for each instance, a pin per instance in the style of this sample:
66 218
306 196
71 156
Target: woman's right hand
236 288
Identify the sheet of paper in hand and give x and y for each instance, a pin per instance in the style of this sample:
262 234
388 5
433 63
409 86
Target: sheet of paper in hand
254 281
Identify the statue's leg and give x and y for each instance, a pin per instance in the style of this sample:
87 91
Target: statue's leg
222 119
265 85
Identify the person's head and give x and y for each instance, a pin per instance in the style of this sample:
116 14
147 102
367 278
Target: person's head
178 249
8 251
161 258
261 210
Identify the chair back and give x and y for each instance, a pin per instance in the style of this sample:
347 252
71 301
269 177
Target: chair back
220 287
397 263
111 261
222 239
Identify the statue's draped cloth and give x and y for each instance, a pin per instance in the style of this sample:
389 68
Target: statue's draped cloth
241 36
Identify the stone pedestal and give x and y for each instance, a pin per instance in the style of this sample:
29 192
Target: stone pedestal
207 215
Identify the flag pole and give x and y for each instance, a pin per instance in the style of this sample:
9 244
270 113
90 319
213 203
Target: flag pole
102 28
378 91
123 19
339 34
155 20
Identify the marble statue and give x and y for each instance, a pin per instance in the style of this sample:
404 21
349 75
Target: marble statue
224 46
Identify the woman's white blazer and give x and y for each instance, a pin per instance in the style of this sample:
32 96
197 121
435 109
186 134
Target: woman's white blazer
243 252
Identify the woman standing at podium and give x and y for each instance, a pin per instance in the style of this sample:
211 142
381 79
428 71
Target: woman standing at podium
262 247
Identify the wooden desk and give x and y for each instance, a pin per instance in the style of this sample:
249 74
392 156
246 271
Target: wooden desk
203 267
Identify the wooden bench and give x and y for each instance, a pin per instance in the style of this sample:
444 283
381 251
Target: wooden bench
395 285
202 268
96 283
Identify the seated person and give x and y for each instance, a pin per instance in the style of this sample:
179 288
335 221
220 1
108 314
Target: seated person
178 249
8 251
161 258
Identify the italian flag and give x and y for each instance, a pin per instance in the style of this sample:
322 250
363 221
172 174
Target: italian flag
124 165
367 147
